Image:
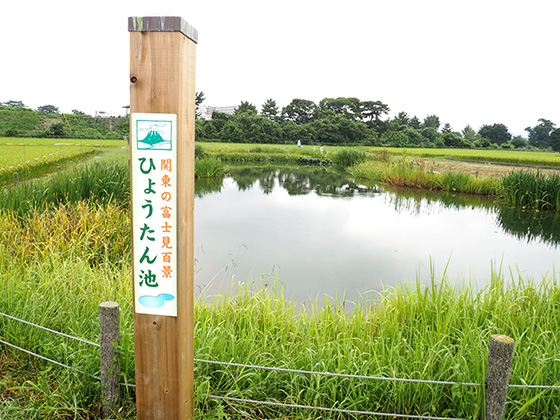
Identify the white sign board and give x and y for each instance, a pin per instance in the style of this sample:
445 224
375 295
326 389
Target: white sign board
154 212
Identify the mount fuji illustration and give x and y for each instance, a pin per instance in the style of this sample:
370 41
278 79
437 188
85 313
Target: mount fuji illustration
153 138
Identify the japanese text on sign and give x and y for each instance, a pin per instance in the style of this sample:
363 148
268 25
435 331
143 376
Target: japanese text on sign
154 208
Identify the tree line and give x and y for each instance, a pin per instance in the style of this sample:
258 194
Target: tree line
333 121
350 121
17 120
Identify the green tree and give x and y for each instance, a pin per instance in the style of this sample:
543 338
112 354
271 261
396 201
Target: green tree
349 108
48 109
14 104
554 140
300 111
519 142
496 133
371 111
451 139
539 135
401 119
270 109
414 122
246 108
447 128
469 133
199 98
431 121
56 130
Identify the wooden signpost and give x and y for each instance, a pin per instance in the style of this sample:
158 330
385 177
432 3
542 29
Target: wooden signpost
162 106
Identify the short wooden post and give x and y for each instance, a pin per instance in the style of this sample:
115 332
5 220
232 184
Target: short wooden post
109 336
500 356
16 178
162 93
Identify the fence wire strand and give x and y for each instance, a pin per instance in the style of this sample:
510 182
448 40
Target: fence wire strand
335 410
47 359
340 375
49 330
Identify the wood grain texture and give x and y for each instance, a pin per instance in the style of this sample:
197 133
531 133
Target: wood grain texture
162 66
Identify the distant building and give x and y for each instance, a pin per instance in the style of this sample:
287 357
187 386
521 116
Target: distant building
207 111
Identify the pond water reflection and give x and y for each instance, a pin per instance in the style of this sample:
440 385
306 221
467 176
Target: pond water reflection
317 233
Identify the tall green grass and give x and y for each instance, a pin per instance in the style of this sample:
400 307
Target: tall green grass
209 167
36 168
532 190
431 332
348 157
99 181
414 175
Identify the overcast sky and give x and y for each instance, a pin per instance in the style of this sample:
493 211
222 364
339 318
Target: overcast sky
469 62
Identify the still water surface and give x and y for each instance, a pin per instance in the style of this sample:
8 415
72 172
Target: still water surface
316 234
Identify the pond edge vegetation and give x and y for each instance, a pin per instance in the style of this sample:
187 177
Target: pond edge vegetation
66 249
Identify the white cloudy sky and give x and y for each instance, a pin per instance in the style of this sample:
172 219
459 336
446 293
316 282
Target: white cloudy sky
468 61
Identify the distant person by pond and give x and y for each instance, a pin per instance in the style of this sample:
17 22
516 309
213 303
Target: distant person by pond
299 144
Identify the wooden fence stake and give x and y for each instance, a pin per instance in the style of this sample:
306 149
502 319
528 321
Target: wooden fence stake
109 336
162 105
500 356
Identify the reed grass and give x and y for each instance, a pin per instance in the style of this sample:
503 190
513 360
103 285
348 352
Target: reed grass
348 157
433 332
412 174
533 190
209 167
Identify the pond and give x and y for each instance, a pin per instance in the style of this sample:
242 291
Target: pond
314 233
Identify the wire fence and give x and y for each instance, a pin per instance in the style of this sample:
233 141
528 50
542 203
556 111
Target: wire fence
275 369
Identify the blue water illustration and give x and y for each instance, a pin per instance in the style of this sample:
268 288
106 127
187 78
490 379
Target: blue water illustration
155 301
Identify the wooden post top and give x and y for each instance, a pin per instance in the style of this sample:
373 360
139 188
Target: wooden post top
162 24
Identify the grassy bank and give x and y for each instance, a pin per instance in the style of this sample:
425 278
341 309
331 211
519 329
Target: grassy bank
59 274
61 255
505 156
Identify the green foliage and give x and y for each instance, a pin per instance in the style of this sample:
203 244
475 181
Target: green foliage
539 135
533 190
348 157
209 167
413 173
19 121
496 133
48 109
199 151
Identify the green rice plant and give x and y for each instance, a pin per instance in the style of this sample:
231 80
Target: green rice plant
93 232
532 190
39 167
102 182
508 156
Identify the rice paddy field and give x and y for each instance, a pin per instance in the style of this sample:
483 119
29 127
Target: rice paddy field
65 248
32 157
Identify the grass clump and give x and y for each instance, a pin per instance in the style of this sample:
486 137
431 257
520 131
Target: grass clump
414 174
347 157
532 190
209 167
